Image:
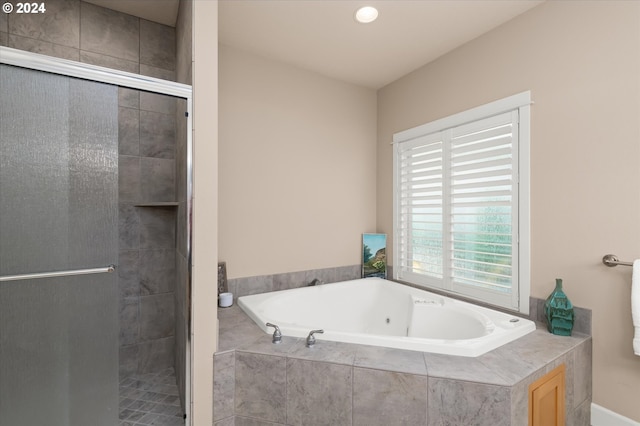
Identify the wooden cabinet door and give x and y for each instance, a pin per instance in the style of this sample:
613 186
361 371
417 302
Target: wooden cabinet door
546 399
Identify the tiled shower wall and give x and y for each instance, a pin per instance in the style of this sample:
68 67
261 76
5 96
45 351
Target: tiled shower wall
83 32
146 272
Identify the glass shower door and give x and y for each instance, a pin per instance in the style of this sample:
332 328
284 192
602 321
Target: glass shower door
58 213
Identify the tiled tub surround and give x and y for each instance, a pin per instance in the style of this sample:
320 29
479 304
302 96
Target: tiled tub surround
259 383
285 281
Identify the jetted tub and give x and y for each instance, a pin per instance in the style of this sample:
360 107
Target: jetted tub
373 311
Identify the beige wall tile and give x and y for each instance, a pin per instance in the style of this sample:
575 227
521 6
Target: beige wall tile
155 355
157 272
156 316
3 23
224 388
60 24
158 103
157 45
128 314
398 360
229 421
158 181
163 74
128 179
109 32
128 131
108 61
318 393
247 421
43 47
386 398
462 403
184 46
128 97
260 386
157 135
582 380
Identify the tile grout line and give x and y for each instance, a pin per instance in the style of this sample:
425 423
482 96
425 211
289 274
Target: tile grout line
158 393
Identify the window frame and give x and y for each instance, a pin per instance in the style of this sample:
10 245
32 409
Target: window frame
521 282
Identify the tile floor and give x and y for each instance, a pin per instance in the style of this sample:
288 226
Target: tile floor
150 399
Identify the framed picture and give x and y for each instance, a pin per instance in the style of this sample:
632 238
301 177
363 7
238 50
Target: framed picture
374 255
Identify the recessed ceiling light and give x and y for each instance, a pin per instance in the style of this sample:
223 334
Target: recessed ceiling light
366 14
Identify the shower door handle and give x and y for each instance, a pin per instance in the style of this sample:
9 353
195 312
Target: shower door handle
106 269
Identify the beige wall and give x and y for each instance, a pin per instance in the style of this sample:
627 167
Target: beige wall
297 167
581 61
205 200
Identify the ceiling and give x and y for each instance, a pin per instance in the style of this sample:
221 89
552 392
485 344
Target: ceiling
322 35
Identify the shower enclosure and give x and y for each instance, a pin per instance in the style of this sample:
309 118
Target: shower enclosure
61 237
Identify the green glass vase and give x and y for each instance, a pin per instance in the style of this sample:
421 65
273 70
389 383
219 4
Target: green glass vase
558 311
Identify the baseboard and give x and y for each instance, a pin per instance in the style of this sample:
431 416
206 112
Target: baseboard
600 416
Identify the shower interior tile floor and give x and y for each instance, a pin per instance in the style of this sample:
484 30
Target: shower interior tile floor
150 399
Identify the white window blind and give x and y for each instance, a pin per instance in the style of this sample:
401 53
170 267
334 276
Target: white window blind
421 206
456 215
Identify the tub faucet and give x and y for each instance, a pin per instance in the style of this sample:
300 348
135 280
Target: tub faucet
314 282
277 335
311 340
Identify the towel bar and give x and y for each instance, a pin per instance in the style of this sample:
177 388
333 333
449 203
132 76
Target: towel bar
106 269
612 260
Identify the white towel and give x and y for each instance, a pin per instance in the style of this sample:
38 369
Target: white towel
635 305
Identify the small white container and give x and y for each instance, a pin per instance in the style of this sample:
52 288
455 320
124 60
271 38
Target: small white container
225 300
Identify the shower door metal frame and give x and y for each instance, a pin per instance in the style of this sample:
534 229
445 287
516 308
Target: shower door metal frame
34 61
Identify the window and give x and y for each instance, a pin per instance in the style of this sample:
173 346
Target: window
461 204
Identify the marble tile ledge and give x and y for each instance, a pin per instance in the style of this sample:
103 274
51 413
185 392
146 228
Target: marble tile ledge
504 366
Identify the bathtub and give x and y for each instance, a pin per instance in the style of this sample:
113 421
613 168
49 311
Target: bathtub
374 311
